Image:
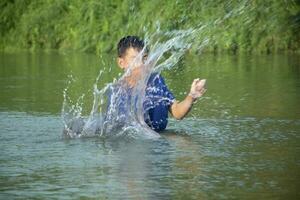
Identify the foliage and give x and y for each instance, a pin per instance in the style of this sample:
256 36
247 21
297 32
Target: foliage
96 25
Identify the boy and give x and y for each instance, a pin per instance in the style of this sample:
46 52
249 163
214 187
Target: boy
158 99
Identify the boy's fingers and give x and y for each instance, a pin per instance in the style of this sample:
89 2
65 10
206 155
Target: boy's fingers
194 82
201 83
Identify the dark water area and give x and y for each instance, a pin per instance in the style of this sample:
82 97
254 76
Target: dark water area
241 140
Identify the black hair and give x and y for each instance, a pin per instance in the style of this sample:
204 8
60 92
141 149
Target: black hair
129 41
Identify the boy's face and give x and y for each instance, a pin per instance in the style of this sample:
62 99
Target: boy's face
130 58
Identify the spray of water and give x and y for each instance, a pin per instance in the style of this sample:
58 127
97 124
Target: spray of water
106 119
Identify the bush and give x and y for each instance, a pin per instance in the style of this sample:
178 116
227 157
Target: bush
96 25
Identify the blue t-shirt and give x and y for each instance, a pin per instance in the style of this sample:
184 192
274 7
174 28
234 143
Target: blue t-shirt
157 102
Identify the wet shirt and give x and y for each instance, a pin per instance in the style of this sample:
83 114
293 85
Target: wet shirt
157 102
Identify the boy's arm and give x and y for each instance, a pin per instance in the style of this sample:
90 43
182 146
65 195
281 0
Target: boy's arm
180 109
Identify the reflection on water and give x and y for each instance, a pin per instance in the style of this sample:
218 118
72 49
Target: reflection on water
241 140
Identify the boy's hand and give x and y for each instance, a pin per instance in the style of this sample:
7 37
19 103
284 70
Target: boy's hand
197 88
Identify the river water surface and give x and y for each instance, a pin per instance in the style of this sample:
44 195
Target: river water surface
241 140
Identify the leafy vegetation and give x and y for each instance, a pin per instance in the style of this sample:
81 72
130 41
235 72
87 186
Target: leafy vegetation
97 25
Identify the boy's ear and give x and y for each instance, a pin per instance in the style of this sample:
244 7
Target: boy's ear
121 62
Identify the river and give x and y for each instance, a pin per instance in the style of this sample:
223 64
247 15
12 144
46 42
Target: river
240 141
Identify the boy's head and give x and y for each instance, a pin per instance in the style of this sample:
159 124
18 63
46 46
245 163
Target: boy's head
129 48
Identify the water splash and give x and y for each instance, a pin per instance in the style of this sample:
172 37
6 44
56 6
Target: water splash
105 118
